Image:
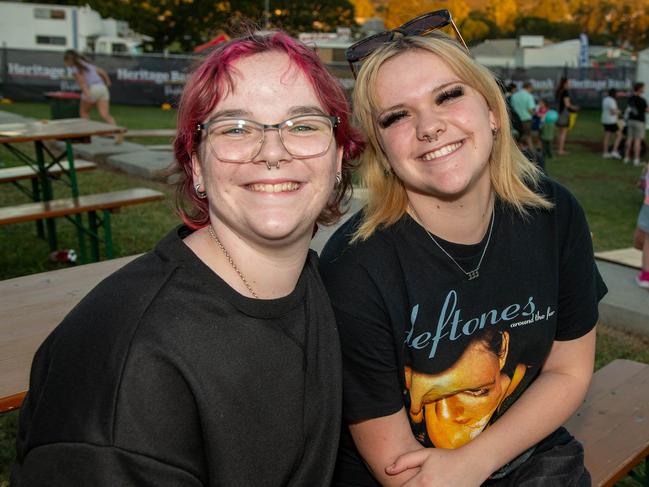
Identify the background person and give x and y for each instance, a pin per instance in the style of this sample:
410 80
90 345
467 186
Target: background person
94 83
214 359
523 104
610 116
636 115
641 238
548 125
461 233
566 107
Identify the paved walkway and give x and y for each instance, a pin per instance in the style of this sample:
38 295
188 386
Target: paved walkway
625 307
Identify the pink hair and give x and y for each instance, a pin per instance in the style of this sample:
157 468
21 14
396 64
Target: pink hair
208 85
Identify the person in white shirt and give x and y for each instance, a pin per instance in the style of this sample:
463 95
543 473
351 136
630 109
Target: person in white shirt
610 112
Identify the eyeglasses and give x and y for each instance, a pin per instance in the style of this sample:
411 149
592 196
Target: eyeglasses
419 26
238 140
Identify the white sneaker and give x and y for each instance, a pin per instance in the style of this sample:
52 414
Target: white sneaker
637 162
616 155
643 283
626 160
606 155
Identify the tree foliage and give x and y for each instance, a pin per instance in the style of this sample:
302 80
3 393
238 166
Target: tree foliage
191 22
188 23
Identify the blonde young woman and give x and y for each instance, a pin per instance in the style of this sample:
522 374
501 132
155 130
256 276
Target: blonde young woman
465 292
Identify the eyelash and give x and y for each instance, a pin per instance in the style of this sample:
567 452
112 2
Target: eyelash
450 94
443 97
389 119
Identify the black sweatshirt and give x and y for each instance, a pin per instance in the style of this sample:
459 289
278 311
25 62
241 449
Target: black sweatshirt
165 376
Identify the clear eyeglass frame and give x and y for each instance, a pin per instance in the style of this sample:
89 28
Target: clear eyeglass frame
256 144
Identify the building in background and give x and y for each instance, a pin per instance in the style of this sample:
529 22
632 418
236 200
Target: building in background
60 27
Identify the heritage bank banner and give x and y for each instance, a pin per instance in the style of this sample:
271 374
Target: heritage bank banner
25 75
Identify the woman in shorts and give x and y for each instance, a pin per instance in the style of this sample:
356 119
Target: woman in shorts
94 83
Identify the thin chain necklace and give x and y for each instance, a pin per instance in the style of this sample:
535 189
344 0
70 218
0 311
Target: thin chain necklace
227 256
475 273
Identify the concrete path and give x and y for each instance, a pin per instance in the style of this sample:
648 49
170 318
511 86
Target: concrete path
625 307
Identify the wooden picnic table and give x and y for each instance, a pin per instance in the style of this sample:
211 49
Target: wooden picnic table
32 306
69 131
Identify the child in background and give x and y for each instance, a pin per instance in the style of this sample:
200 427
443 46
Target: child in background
537 120
549 122
641 240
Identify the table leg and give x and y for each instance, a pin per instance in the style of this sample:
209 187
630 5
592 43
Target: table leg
108 235
36 197
46 187
94 236
72 175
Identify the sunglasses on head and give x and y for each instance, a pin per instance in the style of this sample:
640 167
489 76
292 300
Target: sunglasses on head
418 26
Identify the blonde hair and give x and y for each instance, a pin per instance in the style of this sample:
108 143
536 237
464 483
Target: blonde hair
513 177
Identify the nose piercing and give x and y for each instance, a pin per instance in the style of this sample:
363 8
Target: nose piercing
429 138
269 165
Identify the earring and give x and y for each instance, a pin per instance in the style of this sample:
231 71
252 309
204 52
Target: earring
387 171
201 194
494 132
339 178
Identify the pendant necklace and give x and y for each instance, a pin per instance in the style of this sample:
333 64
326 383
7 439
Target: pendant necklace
475 273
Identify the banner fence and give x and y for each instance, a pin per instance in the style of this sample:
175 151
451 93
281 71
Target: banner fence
25 75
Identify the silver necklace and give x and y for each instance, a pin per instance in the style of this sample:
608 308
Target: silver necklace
210 230
475 273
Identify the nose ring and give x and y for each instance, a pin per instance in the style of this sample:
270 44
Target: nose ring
430 138
269 164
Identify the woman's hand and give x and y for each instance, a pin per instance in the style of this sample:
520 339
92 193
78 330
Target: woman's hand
440 467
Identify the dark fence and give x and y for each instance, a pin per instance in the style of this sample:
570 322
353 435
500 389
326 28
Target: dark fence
155 79
586 84
136 80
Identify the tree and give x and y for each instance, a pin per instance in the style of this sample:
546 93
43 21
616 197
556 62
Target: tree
363 9
474 31
503 13
400 11
296 16
553 10
192 22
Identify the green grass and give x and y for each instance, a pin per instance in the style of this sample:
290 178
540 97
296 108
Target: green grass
605 188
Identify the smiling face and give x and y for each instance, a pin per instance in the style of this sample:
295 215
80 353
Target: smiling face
259 204
435 129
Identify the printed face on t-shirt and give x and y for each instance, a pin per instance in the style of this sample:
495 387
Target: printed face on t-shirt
458 402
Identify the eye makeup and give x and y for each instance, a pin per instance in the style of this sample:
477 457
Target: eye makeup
391 118
449 94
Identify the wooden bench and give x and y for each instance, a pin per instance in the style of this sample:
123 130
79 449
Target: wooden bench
20 173
613 422
91 204
151 133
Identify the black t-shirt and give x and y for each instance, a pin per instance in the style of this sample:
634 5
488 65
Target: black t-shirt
456 353
637 108
561 99
164 375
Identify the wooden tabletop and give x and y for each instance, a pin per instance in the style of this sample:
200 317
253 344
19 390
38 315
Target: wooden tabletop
32 306
613 421
66 128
